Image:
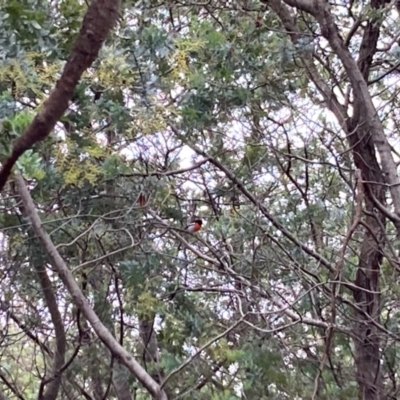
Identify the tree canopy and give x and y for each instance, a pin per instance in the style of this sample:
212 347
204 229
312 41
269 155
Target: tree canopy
275 123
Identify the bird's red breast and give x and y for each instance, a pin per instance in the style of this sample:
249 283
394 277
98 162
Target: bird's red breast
141 200
194 226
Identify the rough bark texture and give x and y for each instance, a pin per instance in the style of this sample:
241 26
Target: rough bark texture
362 98
98 21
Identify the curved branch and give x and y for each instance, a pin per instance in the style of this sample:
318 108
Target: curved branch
98 21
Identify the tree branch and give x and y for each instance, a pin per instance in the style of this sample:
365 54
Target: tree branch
54 381
79 299
58 356
98 21
321 11
290 25
329 30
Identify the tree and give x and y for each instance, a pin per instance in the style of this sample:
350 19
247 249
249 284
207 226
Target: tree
271 121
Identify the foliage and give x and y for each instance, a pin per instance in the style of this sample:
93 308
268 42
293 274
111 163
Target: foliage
182 97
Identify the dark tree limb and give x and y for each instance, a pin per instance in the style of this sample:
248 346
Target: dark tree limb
98 21
54 380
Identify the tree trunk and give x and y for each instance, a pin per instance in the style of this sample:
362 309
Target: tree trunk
366 296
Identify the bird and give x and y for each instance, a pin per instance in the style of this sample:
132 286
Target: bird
141 200
194 226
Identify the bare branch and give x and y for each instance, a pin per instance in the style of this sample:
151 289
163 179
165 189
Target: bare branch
168 173
54 380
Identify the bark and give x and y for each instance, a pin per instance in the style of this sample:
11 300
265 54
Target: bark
367 353
367 349
53 379
149 340
363 126
98 21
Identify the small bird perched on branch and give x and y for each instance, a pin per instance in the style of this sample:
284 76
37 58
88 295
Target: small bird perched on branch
194 226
